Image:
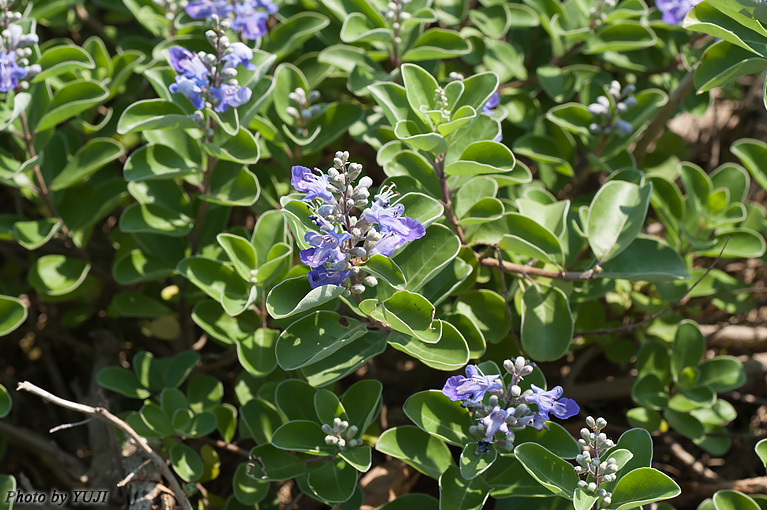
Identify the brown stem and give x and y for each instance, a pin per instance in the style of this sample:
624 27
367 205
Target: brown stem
658 123
44 190
634 325
103 414
525 270
447 198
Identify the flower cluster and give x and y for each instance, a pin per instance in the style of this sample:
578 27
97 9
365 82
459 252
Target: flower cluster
346 240
508 407
674 11
15 51
302 108
340 434
609 108
208 79
248 17
594 444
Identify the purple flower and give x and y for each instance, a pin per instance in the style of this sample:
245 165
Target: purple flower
473 386
492 103
327 247
323 276
230 95
533 420
396 229
315 186
191 89
10 72
267 5
495 422
239 54
187 63
674 11
551 402
250 20
199 9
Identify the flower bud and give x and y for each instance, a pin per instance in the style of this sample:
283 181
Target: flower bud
357 288
601 423
355 270
365 182
357 252
590 423
326 428
582 484
591 487
370 281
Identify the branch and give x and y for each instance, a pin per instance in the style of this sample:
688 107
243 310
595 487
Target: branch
658 123
568 276
103 414
631 326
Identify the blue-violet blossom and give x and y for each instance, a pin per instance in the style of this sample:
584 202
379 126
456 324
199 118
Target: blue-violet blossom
552 402
473 386
674 11
245 16
338 252
14 54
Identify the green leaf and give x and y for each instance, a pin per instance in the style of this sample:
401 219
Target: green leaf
135 304
334 482
574 117
649 391
527 237
315 337
61 59
648 419
345 361
95 154
646 258
734 500
157 162
5 402
186 462
723 63
218 281
239 148
122 381
409 132
641 486
422 260
752 153
412 500
256 352
278 465
293 32
450 353
248 490
411 314
472 464
241 254
457 493
547 323
418 449
555 474
545 149
226 421
7 486
155 219
684 423
34 234
295 398
741 243
435 413
75 97
178 368
486 157
419 89
360 457
302 436
487 310
204 392
387 270
259 420
616 217
56 275
722 373
13 313
688 349
295 295
555 439
761 451
153 114
437 43
622 36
